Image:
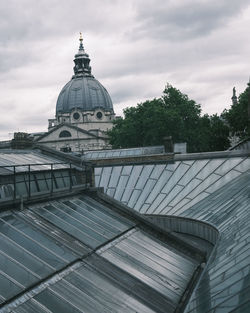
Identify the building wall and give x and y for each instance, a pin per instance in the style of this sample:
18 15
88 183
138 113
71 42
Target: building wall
77 145
88 120
77 142
95 122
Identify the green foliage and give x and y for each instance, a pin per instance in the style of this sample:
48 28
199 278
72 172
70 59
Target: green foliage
214 134
237 116
174 114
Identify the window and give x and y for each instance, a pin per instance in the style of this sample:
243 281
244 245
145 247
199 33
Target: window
64 133
99 115
65 149
76 116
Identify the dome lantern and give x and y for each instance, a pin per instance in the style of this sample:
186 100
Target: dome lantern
83 91
81 61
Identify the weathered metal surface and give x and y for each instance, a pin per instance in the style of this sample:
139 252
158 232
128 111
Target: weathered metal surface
123 268
169 188
84 93
119 153
214 190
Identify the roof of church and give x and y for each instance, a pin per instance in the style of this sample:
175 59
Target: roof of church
83 91
90 134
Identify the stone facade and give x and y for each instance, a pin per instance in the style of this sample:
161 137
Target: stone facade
88 120
69 138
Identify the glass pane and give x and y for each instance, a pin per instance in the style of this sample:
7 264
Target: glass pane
16 271
8 288
55 303
31 306
23 257
69 228
36 242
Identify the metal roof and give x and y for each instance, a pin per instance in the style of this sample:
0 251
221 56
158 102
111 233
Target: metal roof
213 190
85 94
83 91
114 153
25 173
78 255
169 188
24 158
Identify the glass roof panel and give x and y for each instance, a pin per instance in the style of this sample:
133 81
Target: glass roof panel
123 152
27 255
29 237
158 267
26 158
8 287
31 307
23 257
84 219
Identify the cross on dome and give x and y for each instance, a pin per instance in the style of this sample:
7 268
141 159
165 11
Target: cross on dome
81 45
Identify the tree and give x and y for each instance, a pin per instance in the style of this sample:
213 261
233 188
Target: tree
214 134
173 114
237 116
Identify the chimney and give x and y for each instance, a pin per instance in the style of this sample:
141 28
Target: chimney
168 144
21 141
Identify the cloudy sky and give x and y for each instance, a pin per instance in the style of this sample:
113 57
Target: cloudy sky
201 47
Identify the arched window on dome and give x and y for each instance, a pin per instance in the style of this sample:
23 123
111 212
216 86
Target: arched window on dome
64 133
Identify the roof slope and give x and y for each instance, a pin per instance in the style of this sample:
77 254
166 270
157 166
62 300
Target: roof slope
78 255
114 153
169 188
226 282
22 159
215 190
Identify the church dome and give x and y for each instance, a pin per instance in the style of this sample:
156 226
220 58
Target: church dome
83 91
85 94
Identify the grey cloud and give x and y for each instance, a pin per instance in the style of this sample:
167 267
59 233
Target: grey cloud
179 20
5 125
28 24
136 47
30 19
13 59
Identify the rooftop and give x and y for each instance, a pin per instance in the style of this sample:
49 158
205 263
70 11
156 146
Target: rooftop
212 188
166 235
84 252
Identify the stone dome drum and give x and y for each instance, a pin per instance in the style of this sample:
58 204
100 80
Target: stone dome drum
83 91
